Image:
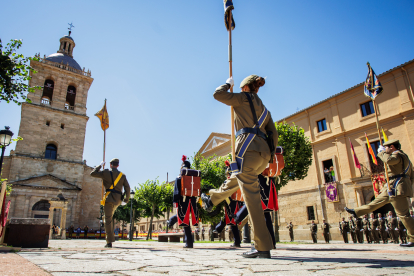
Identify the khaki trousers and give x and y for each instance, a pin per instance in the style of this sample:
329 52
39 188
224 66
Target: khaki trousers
254 164
400 205
109 210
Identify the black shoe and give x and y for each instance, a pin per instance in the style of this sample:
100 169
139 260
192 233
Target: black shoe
208 205
351 211
234 245
108 245
408 244
257 254
187 246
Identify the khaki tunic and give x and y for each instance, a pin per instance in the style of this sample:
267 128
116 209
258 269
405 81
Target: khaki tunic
256 159
396 163
113 200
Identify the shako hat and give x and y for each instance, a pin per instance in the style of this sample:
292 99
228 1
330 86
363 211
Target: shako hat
186 164
391 142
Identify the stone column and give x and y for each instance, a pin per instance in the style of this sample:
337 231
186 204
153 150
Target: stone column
26 206
63 223
12 199
360 197
51 209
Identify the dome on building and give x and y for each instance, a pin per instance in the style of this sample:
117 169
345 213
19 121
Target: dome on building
59 57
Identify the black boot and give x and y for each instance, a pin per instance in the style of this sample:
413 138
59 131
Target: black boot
351 211
257 254
208 205
409 244
108 245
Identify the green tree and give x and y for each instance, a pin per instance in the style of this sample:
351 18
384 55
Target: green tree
297 153
122 214
15 73
150 194
167 199
213 174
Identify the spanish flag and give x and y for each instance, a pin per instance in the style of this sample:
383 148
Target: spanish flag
357 164
103 117
384 135
371 151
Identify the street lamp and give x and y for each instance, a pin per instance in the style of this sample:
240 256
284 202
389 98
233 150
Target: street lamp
5 139
131 233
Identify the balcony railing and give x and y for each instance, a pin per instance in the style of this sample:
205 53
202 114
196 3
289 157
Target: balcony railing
46 102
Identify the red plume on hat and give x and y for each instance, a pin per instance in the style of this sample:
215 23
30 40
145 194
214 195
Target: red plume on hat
184 158
227 163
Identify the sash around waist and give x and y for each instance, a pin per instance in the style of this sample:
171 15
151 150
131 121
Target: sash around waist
113 191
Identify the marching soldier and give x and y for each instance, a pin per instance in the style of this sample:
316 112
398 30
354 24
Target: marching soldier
393 227
314 232
290 227
202 233
383 228
401 176
366 226
197 234
113 181
255 129
351 224
325 227
374 230
344 226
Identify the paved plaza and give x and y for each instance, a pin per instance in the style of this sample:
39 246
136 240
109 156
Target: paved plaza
88 257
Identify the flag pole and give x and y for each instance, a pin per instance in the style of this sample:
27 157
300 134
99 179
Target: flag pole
233 140
104 148
378 126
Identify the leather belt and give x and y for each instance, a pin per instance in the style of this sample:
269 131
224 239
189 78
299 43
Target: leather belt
251 130
398 175
113 191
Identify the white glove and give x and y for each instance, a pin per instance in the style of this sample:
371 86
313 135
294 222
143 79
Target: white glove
381 148
230 81
396 229
102 163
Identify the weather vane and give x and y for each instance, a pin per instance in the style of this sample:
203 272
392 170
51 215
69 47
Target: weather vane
70 27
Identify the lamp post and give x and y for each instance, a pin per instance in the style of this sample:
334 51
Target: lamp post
5 139
131 220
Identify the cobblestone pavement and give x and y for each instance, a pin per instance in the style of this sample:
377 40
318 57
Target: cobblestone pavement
80 257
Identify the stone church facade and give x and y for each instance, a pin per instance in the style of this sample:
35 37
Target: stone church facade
330 125
49 160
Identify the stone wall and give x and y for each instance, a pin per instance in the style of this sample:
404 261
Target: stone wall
90 199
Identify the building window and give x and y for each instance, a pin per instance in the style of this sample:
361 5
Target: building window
47 92
367 109
70 97
311 213
48 123
329 171
379 168
321 125
51 151
62 126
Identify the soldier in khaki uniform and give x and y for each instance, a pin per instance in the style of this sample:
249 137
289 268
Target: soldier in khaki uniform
367 229
383 228
256 158
352 231
374 230
392 226
401 176
113 200
314 232
344 229
325 227
290 228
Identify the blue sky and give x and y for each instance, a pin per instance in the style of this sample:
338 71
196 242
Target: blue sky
159 62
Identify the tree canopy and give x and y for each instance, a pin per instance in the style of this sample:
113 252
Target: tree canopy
297 153
15 73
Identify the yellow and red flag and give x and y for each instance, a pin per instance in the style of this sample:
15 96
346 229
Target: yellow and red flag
374 159
103 117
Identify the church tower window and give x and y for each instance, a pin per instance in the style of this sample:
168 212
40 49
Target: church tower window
48 92
70 97
51 151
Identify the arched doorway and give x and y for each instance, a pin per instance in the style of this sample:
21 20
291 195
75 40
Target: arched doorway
41 209
384 209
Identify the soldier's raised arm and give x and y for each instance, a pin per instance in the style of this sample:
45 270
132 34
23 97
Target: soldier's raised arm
222 95
96 172
390 159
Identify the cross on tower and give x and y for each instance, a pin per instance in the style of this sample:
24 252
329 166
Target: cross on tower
70 27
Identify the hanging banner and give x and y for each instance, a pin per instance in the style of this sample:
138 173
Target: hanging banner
378 181
331 192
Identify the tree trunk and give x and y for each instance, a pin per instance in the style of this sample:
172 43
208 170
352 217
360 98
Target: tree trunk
150 228
168 217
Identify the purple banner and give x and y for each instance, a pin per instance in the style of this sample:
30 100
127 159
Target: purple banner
331 192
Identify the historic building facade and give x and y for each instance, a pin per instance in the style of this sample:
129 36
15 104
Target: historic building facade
49 160
331 125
